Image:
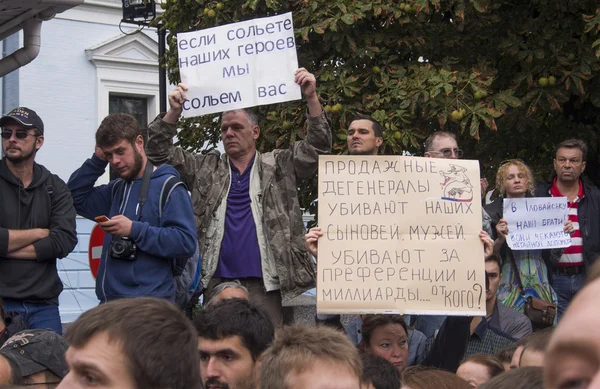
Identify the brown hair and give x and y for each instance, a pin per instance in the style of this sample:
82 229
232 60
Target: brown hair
298 347
537 341
377 127
116 127
573 144
505 355
437 134
503 172
495 257
371 322
418 378
493 364
522 378
159 343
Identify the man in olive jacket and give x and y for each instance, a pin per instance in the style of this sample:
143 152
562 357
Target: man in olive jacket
249 221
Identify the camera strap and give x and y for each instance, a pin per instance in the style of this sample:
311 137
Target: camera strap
144 188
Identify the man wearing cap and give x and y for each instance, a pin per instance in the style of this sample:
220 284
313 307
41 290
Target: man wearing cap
37 223
33 357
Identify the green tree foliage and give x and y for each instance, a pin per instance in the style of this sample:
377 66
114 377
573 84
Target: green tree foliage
512 78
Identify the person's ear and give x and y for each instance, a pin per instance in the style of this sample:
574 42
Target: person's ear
39 141
139 143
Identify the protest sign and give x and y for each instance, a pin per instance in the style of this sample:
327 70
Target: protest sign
401 235
239 65
536 223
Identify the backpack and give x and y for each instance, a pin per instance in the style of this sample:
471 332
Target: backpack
187 272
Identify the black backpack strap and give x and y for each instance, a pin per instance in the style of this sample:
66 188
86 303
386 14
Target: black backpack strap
168 186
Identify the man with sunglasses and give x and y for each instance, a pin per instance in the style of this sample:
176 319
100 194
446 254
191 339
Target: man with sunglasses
37 223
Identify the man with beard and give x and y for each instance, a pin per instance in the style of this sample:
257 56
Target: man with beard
151 219
37 224
232 337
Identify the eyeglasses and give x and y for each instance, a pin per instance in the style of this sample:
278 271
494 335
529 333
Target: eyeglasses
18 134
447 153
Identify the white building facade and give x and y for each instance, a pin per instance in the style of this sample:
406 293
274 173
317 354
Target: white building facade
86 69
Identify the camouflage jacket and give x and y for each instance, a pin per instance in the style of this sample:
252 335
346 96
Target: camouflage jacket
277 215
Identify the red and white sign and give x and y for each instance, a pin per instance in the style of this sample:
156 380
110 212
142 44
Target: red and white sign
95 249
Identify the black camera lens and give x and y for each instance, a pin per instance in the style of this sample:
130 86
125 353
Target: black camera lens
118 247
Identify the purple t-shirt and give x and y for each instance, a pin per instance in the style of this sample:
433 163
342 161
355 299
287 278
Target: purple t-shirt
240 255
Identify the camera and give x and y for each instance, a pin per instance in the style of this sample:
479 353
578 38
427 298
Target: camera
123 248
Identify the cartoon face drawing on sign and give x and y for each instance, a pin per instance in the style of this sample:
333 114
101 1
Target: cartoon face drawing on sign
456 184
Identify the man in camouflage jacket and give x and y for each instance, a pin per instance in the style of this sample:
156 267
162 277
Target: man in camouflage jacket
249 221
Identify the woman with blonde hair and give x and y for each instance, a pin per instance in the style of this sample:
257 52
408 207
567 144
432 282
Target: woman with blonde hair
526 268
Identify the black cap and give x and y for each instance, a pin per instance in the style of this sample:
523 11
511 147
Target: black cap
25 117
37 350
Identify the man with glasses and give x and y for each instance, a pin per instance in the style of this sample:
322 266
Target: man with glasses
441 144
37 223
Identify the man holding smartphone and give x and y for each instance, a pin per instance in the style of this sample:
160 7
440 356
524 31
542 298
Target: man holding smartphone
151 218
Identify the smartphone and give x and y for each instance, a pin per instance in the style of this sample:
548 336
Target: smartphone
101 219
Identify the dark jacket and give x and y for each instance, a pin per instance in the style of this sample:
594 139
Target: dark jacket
588 212
158 240
45 203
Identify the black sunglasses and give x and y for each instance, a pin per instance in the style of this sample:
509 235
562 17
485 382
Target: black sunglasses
18 134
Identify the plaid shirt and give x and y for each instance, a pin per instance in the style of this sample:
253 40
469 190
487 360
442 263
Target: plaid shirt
488 340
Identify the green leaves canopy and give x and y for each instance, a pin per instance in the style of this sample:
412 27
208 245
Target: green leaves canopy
410 65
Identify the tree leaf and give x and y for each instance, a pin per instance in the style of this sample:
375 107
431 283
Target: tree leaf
481 5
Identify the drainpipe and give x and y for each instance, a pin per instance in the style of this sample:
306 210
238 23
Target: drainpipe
31 43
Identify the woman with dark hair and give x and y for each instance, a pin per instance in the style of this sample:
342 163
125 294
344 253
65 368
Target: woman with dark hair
387 337
419 378
478 369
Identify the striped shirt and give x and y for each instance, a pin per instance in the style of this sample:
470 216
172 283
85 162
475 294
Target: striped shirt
573 255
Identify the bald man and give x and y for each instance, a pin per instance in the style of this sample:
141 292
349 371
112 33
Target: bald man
573 355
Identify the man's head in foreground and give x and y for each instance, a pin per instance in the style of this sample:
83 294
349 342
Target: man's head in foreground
311 357
142 343
573 354
534 350
232 336
378 373
33 357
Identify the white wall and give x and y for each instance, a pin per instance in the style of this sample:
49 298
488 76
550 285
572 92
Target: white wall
61 86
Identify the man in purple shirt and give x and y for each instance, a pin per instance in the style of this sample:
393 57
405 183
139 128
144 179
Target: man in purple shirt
249 220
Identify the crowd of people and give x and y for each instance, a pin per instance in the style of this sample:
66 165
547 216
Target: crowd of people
238 213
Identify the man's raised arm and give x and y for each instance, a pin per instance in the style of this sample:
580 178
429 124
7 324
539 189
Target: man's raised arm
318 137
160 148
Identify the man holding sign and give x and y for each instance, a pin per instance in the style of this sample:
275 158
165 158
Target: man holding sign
246 206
